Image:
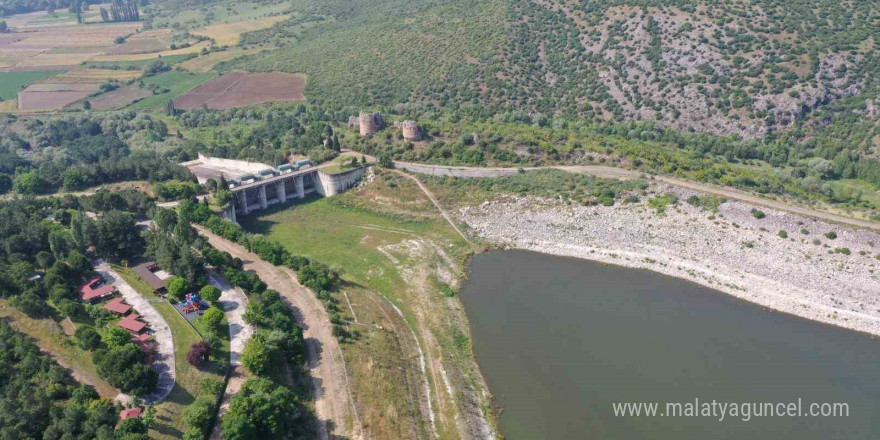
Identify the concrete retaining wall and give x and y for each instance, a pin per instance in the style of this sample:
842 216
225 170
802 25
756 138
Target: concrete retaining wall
332 184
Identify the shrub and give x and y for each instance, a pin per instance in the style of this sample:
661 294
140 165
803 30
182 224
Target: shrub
843 250
782 234
199 353
758 214
209 293
213 320
88 338
177 287
831 235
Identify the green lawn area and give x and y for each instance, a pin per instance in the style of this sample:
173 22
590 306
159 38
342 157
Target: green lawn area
177 83
11 82
347 238
136 64
168 412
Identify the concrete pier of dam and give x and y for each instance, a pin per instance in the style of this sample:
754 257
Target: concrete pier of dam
257 186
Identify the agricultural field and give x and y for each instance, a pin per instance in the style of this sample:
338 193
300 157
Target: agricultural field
137 64
119 98
229 34
155 40
11 82
66 88
206 62
173 84
236 89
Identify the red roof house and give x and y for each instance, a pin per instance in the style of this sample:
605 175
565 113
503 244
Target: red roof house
130 413
118 305
131 323
95 289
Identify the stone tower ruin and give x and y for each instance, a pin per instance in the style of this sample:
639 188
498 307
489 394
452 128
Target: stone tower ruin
411 131
370 123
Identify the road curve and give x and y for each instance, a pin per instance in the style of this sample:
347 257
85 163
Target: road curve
330 385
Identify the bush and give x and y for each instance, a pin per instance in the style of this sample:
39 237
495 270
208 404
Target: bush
88 338
843 250
831 235
758 214
199 353
177 288
782 234
213 320
210 293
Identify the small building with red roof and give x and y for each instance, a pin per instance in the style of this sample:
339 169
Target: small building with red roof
130 413
132 324
118 305
95 289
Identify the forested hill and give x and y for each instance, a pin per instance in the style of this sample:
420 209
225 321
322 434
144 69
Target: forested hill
750 68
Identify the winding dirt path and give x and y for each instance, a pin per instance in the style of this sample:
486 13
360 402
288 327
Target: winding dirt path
334 404
435 202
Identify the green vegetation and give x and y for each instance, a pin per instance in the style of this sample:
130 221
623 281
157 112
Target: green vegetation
12 82
136 64
169 85
35 388
659 203
782 234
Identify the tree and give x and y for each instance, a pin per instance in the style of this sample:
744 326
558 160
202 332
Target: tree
199 352
3 26
198 417
122 366
30 182
131 426
177 288
257 357
70 308
87 105
210 293
45 259
117 337
88 338
119 236
261 410
213 319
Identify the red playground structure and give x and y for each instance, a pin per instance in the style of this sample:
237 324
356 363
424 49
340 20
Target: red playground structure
193 303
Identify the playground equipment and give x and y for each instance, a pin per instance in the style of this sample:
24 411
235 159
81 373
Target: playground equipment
193 303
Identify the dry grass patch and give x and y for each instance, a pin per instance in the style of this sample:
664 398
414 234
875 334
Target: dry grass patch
228 34
205 63
195 48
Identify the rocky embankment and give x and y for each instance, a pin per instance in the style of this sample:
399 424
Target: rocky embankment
832 280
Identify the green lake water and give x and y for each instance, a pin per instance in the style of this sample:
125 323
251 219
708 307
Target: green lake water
560 340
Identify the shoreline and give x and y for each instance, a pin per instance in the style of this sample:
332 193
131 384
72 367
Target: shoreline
780 274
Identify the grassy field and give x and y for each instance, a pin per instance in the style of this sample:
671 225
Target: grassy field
51 338
392 248
12 82
228 34
168 412
177 83
221 12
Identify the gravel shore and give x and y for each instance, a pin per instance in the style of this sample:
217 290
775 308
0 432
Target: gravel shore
729 250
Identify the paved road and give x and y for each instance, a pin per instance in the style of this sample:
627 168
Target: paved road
164 360
330 385
234 303
623 174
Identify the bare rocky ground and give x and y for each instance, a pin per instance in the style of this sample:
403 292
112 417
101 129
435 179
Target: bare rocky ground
730 250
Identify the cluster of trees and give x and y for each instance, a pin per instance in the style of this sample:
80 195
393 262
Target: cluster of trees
78 152
171 243
121 10
41 400
121 363
10 7
176 189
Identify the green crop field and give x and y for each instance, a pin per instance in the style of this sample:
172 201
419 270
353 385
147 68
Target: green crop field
177 83
11 82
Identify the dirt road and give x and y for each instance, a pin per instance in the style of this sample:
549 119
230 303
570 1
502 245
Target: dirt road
624 174
333 402
436 203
